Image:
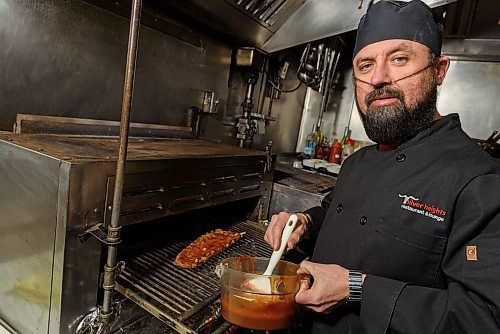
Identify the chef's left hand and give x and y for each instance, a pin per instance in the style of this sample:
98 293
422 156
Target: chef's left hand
330 287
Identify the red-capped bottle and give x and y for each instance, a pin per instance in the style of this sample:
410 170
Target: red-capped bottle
326 149
348 148
335 152
320 148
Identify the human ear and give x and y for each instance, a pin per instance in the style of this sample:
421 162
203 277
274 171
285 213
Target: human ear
443 63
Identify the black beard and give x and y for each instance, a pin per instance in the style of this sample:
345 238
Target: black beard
396 124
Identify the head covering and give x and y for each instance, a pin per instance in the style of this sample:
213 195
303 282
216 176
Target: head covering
391 19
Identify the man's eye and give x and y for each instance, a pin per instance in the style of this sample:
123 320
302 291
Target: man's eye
400 59
364 67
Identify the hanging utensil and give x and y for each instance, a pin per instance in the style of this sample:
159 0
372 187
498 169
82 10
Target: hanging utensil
491 138
494 140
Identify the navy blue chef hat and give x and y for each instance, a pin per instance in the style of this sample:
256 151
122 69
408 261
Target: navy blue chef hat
391 19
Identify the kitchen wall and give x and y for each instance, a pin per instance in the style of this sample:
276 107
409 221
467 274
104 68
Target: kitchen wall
67 58
472 89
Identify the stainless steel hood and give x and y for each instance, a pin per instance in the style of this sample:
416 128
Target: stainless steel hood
318 19
242 22
273 25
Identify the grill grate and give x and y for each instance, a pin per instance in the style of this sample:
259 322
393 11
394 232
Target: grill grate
174 294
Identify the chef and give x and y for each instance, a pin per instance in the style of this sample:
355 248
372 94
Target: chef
409 239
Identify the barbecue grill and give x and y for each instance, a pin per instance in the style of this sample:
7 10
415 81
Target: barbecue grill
56 198
186 299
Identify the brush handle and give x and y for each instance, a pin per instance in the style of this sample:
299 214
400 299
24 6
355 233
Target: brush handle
276 256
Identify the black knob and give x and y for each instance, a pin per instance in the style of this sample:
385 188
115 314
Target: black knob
400 157
339 208
363 220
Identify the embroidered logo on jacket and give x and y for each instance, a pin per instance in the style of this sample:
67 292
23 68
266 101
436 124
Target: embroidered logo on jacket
412 204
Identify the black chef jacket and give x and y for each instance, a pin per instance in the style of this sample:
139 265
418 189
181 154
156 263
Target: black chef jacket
423 222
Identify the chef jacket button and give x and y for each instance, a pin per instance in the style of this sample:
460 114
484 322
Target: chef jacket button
400 158
363 220
339 208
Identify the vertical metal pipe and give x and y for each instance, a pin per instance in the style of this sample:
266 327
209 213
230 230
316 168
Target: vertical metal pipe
109 281
248 106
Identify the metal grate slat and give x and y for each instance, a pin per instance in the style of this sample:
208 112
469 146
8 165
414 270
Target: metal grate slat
138 288
160 282
185 280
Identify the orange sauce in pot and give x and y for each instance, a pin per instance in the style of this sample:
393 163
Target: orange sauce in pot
258 311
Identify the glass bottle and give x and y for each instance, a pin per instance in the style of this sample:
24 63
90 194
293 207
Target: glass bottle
309 148
326 148
335 152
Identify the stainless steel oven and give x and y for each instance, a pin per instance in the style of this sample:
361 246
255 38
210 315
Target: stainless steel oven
55 201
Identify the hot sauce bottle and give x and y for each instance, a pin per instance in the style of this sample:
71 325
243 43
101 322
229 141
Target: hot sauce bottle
322 149
335 152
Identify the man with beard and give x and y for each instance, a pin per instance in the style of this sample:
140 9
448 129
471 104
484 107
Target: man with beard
409 239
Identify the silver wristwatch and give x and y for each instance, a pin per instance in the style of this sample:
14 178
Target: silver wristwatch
355 286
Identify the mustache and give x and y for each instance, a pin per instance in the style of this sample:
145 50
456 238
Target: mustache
378 92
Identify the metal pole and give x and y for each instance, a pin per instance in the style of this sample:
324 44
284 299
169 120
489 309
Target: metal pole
107 312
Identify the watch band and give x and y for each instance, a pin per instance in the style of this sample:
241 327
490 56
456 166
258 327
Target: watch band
355 286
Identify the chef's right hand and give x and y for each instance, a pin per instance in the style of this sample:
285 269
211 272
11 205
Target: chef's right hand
275 228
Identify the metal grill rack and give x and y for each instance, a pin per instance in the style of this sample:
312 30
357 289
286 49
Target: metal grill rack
174 294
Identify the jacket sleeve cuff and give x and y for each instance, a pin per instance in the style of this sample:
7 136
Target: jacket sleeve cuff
307 243
378 301
317 214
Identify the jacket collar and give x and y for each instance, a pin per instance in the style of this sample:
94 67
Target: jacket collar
443 124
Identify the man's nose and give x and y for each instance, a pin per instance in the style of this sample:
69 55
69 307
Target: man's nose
380 76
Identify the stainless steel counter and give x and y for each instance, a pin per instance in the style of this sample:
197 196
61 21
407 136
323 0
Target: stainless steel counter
297 189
